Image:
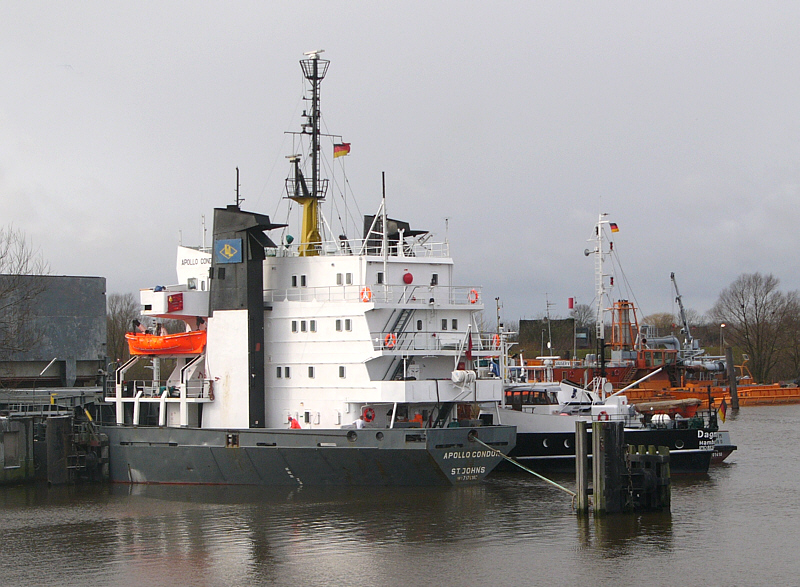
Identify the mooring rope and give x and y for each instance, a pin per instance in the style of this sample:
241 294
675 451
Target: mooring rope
510 460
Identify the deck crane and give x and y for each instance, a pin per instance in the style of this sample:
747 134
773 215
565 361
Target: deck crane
688 341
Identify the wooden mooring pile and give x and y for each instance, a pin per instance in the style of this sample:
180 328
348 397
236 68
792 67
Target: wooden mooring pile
624 478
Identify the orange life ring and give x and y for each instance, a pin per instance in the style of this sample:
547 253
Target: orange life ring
473 296
603 416
366 294
390 340
496 341
368 414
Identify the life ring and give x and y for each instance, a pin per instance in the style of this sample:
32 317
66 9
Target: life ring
368 414
390 340
366 294
496 341
603 416
473 296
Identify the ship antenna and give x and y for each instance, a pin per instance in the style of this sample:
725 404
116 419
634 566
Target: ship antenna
239 199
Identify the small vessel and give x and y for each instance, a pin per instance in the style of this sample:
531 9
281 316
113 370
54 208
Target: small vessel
321 360
545 413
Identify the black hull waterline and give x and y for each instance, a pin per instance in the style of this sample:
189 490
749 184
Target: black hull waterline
690 450
370 456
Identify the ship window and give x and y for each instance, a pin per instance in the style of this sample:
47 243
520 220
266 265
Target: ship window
348 278
348 324
294 325
302 281
192 283
294 280
454 324
221 273
338 279
435 279
338 325
419 324
280 372
287 373
307 417
380 277
303 326
341 371
444 323
311 372
312 325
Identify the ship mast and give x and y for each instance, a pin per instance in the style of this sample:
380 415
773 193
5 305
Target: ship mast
600 292
309 197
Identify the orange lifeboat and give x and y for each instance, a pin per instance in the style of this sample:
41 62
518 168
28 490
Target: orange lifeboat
183 343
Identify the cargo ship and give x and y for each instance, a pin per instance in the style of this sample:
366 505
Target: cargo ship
325 359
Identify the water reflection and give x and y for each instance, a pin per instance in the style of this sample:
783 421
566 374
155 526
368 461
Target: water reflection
512 529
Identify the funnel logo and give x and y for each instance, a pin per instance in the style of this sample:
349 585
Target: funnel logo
228 251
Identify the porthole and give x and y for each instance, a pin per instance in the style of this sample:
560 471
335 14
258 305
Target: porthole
679 443
379 436
352 436
544 443
566 443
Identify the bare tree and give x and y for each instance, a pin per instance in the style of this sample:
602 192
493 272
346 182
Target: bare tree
663 322
583 314
756 315
121 311
21 271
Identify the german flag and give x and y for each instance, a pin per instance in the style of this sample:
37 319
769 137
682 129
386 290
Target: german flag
614 227
341 149
723 410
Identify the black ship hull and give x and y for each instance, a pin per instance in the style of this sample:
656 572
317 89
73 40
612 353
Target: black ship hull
370 456
690 450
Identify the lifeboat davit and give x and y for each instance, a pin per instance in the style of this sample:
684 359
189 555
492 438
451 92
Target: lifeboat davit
183 343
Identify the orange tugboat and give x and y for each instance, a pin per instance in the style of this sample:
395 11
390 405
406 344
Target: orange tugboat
183 343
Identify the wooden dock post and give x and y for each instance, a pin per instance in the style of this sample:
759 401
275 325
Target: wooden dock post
582 466
608 466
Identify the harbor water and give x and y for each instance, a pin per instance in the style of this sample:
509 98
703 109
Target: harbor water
739 525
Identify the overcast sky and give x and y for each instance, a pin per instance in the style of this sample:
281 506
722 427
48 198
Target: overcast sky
121 124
